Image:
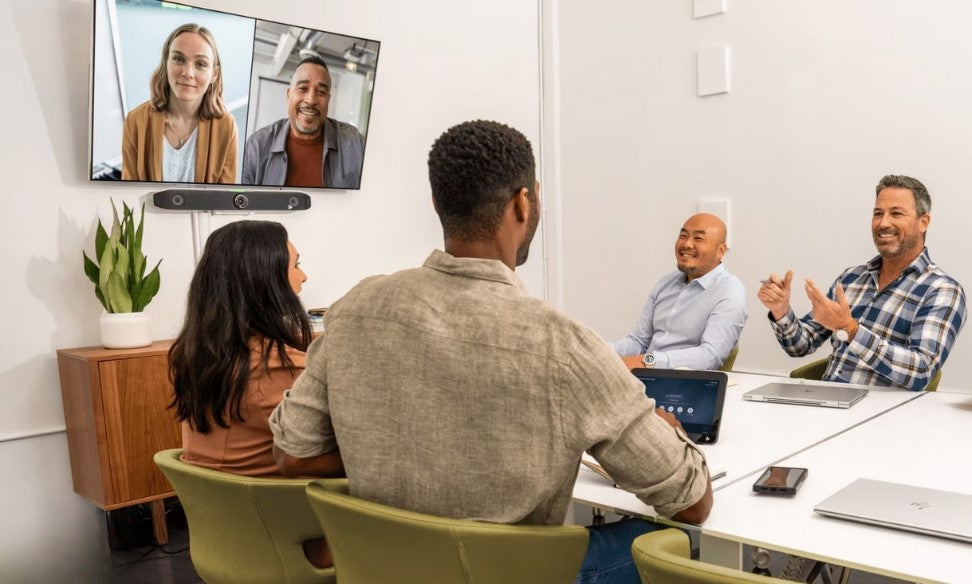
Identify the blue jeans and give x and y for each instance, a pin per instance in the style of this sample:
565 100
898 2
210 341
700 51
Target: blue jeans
608 559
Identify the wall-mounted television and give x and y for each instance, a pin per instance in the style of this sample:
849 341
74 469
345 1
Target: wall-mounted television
187 95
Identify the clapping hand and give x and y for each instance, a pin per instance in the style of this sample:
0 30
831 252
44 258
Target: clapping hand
832 314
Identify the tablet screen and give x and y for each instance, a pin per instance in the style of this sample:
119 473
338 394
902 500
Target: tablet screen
692 401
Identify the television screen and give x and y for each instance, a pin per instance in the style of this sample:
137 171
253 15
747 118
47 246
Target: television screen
187 95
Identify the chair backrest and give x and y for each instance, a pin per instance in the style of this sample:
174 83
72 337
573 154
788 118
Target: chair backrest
245 529
377 544
812 370
727 364
816 369
663 557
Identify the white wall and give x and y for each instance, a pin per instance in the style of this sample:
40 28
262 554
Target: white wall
826 98
441 63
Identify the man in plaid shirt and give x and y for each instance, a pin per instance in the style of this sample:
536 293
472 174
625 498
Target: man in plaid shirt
891 321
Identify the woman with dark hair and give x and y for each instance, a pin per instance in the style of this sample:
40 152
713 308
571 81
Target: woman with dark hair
183 133
241 346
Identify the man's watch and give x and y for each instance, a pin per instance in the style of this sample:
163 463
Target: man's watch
648 360
843 334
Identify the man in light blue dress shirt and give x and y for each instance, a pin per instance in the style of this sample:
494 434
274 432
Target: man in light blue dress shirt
694 315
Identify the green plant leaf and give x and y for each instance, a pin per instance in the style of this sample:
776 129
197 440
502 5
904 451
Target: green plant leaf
138 258
150 287
121 265
101 298
128 228
91 269
115 223
138 232
119 275
118 298
106 263
101 238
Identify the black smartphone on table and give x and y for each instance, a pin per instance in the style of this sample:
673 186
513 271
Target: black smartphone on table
780 480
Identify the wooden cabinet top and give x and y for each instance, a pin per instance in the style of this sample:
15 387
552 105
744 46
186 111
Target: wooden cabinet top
100 353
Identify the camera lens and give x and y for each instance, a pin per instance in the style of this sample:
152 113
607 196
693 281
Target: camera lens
240 201
178 200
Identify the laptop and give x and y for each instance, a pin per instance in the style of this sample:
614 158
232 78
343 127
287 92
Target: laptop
922 510
808 393
695 398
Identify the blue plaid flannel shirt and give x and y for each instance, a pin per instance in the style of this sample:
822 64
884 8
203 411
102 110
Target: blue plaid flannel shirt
906 330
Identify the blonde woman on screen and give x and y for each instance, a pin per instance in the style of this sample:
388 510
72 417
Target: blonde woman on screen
183 133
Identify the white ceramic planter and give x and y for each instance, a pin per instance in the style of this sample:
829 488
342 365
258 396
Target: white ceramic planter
126 330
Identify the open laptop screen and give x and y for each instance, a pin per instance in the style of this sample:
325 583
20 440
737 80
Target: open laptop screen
695 398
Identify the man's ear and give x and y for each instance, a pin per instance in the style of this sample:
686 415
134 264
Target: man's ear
521 205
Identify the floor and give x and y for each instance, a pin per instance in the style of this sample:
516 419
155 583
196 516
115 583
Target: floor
136 559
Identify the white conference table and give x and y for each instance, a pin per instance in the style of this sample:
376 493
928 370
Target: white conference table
924 442
752 436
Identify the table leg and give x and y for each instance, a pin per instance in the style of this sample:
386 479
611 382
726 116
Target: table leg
722 552
158 522
598 518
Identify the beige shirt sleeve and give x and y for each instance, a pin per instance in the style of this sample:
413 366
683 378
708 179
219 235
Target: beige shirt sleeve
616 420
301 423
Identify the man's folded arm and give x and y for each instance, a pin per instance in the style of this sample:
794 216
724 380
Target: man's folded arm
322 465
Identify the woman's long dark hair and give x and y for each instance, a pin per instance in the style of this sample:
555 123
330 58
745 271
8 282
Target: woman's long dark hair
240 291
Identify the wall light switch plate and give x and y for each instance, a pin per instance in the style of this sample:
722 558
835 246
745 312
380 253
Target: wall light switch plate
705 8
713 70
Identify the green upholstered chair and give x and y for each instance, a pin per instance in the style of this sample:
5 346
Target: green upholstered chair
662 557
812 370
727 364
246 529
816 369
377 544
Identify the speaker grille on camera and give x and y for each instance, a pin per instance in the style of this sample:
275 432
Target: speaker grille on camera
226 200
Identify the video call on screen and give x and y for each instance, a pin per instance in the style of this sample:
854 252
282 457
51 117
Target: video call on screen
257 62
692 401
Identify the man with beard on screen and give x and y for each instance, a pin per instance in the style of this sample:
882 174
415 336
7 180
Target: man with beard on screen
306 149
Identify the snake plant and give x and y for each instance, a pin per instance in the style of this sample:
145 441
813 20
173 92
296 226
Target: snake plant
119 275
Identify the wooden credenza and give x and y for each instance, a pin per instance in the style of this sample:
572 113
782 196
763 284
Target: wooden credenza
117 417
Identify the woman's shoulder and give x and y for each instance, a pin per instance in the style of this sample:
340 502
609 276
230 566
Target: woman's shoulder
225 124
296 356
141 113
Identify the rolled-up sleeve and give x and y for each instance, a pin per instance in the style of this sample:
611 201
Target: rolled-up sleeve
641 451
657 463
301 423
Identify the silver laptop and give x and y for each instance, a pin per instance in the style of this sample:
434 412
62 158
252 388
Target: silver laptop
835 395
919 509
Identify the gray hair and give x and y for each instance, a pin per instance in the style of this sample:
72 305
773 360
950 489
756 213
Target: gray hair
900 181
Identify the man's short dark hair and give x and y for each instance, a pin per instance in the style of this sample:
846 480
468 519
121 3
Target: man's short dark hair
313 61
475 168
900 181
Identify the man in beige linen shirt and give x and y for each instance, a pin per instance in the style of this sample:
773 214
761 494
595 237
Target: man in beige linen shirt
482 399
